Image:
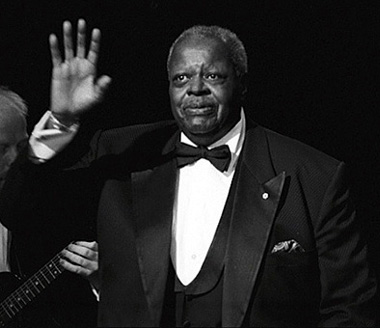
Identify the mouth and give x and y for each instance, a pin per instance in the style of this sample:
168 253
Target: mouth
200 108
200 111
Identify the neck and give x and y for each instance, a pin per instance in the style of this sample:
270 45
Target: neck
204 140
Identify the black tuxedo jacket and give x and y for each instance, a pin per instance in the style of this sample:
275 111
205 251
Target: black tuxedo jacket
285 191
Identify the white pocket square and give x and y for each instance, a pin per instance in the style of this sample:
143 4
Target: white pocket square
288 246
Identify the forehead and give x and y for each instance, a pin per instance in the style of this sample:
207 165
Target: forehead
196 50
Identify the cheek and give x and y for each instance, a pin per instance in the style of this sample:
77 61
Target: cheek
9 156
176 94
225 95
223 112
174 108
227 100
176 104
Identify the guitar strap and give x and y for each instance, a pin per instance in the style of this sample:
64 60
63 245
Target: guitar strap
14 262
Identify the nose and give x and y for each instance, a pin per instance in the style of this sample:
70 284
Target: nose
197 87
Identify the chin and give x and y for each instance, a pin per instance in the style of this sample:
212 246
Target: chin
200 126
200 129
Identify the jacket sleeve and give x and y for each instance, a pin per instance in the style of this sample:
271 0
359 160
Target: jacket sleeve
348 285
35 195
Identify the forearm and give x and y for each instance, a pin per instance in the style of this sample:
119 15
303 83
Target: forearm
33 187
19 193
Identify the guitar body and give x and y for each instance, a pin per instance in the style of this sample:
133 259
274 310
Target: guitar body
23 306
32 316
8 283
18 307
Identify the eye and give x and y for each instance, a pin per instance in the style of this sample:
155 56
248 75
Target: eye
180 78
212 76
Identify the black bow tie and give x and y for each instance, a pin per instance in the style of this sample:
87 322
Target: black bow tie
220 156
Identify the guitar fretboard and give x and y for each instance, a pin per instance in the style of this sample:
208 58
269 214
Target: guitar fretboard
29 290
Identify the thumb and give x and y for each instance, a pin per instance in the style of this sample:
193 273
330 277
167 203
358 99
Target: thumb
102 85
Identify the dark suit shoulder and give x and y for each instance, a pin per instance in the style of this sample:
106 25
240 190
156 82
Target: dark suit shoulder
147 137
294 153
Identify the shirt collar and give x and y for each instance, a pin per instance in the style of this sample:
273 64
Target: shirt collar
233 139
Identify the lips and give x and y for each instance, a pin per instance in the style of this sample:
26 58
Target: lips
200 108
200 111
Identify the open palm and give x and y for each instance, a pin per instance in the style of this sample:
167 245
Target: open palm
75 88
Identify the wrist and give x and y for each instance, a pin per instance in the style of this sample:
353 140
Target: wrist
62 122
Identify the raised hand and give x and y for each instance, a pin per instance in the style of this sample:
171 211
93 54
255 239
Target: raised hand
81 257
75 87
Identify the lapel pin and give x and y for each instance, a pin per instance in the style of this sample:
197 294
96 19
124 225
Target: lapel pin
265 195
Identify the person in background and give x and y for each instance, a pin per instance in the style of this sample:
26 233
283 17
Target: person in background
209 220
12 135
80 256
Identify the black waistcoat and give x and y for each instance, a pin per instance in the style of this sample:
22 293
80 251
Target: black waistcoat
200 303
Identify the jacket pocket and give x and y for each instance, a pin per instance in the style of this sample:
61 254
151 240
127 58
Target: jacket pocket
307 258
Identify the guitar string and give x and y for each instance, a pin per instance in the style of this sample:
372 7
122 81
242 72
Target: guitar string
37 282
10 303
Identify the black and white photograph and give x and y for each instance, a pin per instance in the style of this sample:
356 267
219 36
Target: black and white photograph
189 163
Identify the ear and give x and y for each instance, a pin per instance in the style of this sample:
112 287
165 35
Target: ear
243 83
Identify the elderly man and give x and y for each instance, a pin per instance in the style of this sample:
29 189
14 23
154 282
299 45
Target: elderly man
79 257
209 220
12 135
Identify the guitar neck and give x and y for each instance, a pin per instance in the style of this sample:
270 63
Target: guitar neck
29 290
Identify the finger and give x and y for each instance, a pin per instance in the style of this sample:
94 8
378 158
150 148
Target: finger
94 46
74 268
78 260
81 38
102 85
54 49
84 252
68 40
88 244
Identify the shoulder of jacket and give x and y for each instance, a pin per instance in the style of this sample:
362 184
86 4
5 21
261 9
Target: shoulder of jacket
294 153
145 136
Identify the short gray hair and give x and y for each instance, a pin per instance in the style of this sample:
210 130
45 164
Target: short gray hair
10 100
237 53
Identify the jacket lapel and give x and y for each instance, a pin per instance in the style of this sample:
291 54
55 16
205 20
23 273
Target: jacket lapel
257 196
153 198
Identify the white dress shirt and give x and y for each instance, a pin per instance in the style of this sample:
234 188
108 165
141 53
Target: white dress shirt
46 142
202 192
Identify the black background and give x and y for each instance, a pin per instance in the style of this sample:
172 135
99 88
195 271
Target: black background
313 65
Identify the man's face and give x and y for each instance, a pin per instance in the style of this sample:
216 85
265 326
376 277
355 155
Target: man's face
205 92
12 135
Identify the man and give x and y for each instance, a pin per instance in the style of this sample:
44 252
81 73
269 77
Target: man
80 256
207 221
12 136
